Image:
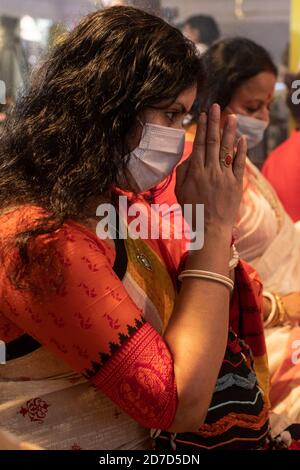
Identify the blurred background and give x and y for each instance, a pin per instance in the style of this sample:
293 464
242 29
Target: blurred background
28 28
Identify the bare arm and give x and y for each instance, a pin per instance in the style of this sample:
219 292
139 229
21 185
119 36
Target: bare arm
197 332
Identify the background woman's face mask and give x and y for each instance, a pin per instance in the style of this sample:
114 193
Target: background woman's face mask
159 151
253 128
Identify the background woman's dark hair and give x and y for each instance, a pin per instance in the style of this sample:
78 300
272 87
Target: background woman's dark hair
228 64
206 26
65 141
151 6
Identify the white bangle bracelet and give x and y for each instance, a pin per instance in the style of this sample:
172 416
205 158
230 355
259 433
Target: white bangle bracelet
206 273
226 281
273 312
228 284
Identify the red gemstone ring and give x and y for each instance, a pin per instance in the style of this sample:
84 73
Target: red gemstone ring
227 160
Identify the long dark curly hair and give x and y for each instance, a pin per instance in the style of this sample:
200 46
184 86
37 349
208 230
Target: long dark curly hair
64 143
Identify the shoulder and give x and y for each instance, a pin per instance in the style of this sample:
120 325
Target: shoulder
72 237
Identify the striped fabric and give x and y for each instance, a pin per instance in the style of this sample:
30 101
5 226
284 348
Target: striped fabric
238 414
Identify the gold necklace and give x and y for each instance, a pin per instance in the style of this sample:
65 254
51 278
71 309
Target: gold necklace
141 258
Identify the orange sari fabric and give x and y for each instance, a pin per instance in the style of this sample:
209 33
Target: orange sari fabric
91 322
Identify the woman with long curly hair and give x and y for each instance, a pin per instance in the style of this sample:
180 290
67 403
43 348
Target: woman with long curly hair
101 344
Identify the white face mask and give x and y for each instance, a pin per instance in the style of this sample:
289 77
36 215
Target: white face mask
253 128
159 151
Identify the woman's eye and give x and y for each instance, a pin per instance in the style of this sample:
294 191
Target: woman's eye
252 111
171 116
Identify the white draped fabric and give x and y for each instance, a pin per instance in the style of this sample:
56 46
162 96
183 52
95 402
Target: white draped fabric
270 241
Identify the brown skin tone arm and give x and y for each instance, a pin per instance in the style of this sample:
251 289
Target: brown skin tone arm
198 329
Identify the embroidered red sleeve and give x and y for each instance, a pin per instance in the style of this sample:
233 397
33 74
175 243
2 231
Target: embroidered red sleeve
140 379
91 323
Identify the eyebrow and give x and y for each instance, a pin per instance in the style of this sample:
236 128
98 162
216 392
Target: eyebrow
254 101
258 101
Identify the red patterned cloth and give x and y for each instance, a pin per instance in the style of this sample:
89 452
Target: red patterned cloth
91 322
140 378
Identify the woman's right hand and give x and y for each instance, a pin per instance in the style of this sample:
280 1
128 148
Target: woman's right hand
204 178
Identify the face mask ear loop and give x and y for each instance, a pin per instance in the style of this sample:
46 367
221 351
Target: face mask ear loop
142 125
140 122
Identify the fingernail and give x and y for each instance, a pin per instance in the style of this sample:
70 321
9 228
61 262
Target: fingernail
231 120
232 117
215 110
203 118
244 140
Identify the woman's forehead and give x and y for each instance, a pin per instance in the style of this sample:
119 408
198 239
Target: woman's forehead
260 87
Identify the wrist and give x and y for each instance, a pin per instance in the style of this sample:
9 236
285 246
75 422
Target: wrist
215 253
223 231
266 308
277 315
216 238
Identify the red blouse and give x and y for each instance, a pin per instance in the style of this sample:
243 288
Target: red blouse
282 170
90 321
